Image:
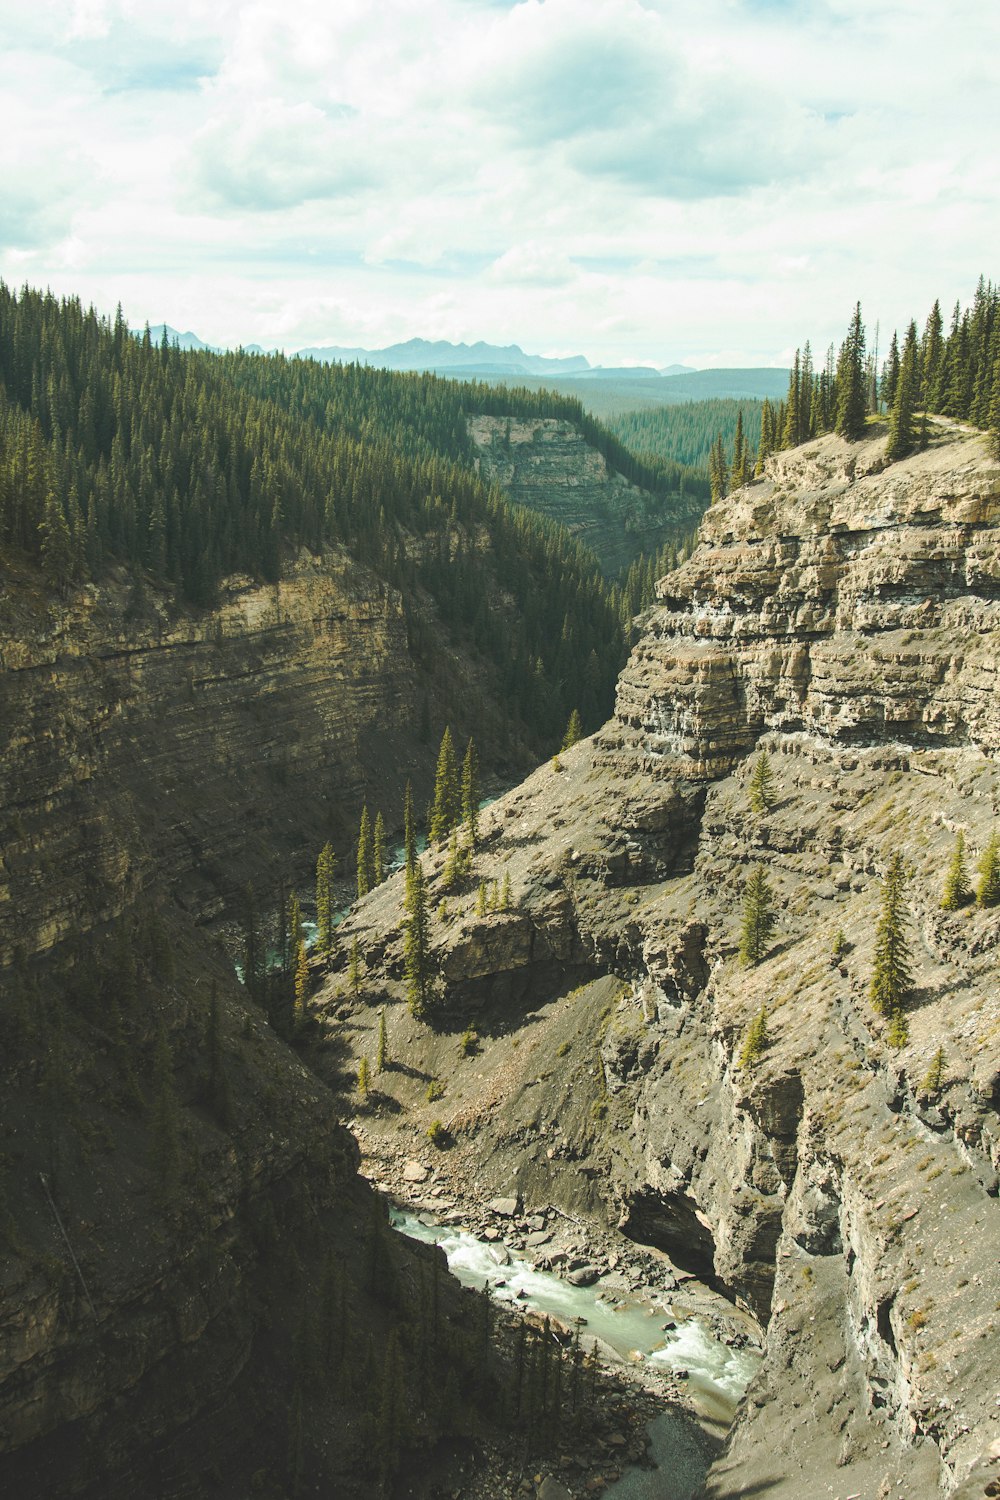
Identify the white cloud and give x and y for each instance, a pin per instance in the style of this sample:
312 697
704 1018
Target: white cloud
636 181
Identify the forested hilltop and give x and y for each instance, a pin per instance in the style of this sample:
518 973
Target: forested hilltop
189 467
954 375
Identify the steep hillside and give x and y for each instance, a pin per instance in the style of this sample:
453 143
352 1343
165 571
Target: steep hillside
842 615
548 466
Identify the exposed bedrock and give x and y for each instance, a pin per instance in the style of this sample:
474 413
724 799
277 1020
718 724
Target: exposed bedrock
844 617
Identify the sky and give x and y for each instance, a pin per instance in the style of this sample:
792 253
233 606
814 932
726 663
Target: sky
638 181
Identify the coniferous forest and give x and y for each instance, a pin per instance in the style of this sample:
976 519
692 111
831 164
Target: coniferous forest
954 375
189 467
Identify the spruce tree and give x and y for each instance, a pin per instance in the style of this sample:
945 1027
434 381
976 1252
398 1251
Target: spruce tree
364 1078
741 456
325 900
892 978
759 919
851 395
988 889
901 423
364 853
354 967
756 1040
957 890
382 1045
470 793
444 811
934 1077
760 792
295 932
574 730
453 864
409 829
416 944
378 850
301 984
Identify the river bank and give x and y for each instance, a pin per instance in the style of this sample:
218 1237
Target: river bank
676 1355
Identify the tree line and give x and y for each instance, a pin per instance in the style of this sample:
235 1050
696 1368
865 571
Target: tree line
191 466
954 374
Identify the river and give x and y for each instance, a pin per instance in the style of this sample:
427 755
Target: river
633 1328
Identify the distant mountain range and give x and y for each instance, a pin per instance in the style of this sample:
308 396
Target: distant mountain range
482 361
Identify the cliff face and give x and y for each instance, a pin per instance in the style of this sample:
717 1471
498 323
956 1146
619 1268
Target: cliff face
845 619
172 1186
547 466
149 751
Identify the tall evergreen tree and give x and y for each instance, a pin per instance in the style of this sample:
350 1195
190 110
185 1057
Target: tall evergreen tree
444 812
409 829
892 978
760 792
416 944
901 423
988 889
325 900
378 850
470 793
851 395
364 853
741 455
957 890
574 730
759 919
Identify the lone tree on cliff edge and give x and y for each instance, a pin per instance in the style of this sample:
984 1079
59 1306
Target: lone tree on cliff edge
758 918
892 978
761 790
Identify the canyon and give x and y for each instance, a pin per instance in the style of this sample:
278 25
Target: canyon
838 613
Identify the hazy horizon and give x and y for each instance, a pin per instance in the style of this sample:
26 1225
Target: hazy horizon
635 182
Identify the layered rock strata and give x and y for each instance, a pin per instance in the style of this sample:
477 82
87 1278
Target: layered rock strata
843 616
547 465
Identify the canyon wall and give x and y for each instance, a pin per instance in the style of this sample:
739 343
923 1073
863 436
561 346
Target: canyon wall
547 465
842 615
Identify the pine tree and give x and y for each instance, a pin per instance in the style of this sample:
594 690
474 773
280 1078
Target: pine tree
718 471
890 373
901 428
301 984
354 967
760 792
851 397
988 889
409 830
364 1078
382 1046
453 864
294 932
444 812
364 853
758 918
56 543
378 850
741 456
470 793
325 900
792 434
957 890
481 899
505 892
934 1077
756 1040
416 954
574 730
892 978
